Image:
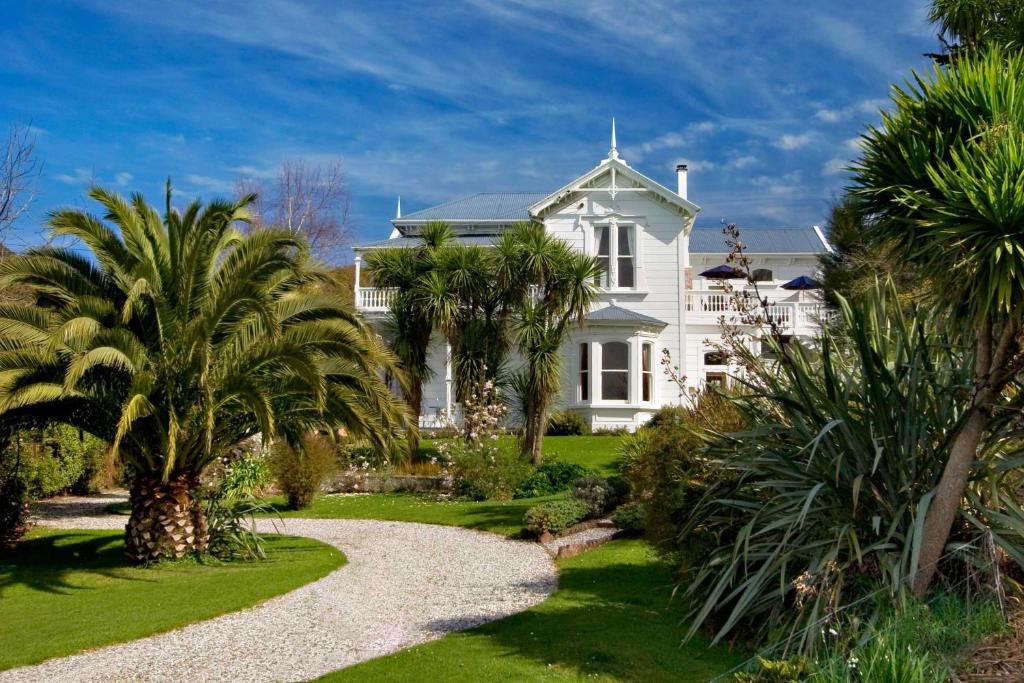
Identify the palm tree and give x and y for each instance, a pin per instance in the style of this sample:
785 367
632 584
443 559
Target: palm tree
942 181
969 25
555 287
412 273
177 337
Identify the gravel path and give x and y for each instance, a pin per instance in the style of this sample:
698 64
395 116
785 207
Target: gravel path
404 584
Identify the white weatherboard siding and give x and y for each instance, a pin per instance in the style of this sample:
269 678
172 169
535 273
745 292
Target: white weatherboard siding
665 308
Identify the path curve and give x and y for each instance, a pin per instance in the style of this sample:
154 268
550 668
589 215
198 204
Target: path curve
404 584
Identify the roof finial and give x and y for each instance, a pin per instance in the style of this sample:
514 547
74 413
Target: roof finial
398 211
613 153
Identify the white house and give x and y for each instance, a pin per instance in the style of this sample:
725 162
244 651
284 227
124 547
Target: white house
652 298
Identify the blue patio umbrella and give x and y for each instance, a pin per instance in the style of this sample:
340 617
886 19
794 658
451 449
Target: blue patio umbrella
723 272
802 282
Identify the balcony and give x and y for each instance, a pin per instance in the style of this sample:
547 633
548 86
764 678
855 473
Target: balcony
373 299
708 307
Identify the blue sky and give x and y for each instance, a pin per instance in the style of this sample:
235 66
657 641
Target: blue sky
763 98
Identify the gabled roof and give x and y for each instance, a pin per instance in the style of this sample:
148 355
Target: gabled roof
483 207
560 197
759 241
612 314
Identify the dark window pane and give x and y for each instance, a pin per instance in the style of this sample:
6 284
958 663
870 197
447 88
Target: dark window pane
645 357
626 275
584 357
584 386
615 386
615 356
602 278
625 241
647 380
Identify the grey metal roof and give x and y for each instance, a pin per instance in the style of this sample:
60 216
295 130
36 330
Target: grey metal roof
412 241
758 241
618 314
485 206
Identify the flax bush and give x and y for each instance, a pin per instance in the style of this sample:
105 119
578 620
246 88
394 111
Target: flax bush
819 502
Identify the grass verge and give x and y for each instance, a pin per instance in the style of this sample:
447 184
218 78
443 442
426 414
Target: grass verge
609 620
65 591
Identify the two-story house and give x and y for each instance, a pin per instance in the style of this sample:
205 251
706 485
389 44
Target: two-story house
652 298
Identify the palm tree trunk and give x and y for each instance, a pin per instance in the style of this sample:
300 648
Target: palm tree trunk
533 439
166 521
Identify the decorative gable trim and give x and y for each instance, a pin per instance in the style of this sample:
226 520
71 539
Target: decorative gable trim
616 168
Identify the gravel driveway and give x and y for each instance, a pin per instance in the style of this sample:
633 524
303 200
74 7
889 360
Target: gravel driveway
404 584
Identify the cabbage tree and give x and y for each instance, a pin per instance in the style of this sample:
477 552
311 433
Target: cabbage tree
942 182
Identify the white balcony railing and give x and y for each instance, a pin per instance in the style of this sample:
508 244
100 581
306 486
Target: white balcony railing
373 299
793 317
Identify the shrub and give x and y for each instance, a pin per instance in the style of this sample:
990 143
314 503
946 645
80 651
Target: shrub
480 467
818 504
232 501
629 517
664 468
555 516
58 460
550 478
300 471
596 492
13 506
486 471
566 423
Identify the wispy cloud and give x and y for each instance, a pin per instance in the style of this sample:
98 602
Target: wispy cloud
790 141
80 176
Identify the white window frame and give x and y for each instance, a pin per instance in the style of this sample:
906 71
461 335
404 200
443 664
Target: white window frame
612 224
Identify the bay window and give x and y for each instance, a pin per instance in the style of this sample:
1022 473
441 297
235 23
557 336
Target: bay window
615 371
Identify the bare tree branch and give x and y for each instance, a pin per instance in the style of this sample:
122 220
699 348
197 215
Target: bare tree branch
305 199
19 170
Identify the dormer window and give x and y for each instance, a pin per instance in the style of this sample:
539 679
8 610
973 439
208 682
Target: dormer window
615 249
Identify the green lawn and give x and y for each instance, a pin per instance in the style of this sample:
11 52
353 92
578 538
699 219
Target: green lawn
501 517
609 620
65 591
597 452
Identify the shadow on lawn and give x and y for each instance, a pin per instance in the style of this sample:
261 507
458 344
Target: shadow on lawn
44 563
616 621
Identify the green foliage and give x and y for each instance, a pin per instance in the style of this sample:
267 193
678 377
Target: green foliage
596 492
555 516
179 335
486 471
13 503
232 502
630 516
59 459
566 423
300 470
975 24
552 477
819 502
663 465
795 670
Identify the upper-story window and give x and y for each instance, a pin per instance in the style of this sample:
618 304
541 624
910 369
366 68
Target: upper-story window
761 275
615 249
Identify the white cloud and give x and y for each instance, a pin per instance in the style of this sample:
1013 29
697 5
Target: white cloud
854 144
123 178
740 163
828 115
791 142
204 183
671 140
785 185
81 176
835 166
